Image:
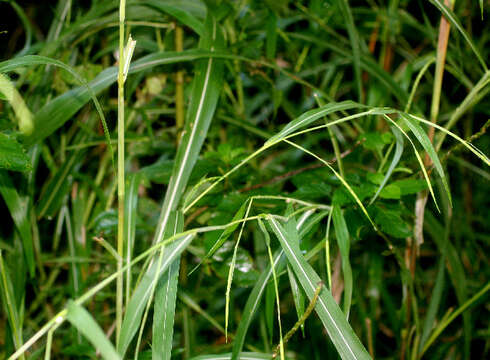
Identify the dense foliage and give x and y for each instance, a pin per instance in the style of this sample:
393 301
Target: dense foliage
257 177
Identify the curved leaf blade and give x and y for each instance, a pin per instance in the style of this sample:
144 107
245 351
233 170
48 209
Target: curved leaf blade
343 337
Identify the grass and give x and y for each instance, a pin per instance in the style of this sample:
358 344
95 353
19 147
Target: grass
270 196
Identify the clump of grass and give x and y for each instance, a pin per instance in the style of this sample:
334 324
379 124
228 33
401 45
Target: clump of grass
254 140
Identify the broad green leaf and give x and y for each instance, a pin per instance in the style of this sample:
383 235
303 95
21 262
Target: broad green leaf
343 337
410 186
391 223
343 240
55 113
85 323
18 207
390 192
12 155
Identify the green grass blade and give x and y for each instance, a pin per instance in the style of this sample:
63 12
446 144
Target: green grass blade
130 215
164 308
19 210
343 337
85 323
343 240
253 303
354 40
9 303
298 296
394 162
367 63
243 356
232 268
136 305
451 17
178 12
455 314
435 300
424 140
164 313
28 27
58 186
224 235
30 60
310 116
205 93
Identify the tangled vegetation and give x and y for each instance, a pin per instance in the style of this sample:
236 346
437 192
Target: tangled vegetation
219 179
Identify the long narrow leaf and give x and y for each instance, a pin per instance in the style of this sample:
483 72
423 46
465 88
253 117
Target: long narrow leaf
343 337
394 162
343 239
18 208
85 323
164 309
140 296
427 145
451 17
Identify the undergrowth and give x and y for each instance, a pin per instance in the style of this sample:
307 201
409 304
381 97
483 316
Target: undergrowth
244 179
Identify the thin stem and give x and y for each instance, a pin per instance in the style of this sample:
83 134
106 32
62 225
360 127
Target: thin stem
179 82
120 170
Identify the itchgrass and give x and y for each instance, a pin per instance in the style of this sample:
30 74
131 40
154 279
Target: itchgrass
274 165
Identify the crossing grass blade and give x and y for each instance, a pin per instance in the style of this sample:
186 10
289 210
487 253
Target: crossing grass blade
165 302
253 303
452 18
224 236
85 323
141 294
9 304
396 159
179 12
424 140
354 40
310 116
343 240
205 93
343 337
30 60
18 207
243 356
